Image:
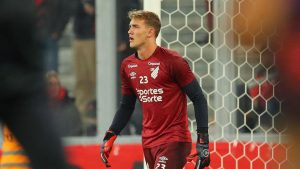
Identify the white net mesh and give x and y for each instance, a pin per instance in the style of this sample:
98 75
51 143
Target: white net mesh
234 63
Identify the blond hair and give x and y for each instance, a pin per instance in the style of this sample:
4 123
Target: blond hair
150 18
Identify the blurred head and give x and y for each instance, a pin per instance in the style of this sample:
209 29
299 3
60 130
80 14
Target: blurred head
144 27
54 85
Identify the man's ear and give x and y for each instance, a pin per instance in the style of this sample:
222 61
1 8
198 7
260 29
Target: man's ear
151 32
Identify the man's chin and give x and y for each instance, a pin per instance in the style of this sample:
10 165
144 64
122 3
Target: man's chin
132 46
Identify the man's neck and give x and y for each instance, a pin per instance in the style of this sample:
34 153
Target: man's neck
146 51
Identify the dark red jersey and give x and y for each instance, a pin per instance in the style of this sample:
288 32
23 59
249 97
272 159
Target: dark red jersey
157 82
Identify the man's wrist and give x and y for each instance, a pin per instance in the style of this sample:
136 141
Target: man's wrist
202 130
202 135
109 134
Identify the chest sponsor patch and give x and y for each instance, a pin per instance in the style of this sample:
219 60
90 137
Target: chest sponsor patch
150 95
132 65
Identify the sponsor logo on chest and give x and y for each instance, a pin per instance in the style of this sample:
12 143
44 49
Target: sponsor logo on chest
154 63
132 66
150 95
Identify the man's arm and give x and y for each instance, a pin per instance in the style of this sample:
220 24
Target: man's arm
123 114
194 92
184 77
120 120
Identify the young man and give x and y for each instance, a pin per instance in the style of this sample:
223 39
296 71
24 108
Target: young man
160 79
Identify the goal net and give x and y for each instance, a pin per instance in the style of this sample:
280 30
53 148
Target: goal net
234 62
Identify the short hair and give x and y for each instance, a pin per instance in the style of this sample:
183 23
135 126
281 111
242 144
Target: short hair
150 18
52 73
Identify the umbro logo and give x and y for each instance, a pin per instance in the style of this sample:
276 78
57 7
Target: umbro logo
163 158
154 72
132 75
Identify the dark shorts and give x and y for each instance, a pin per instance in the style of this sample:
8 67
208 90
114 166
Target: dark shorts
168 156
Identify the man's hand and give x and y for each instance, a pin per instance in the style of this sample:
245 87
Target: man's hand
202 151
106 147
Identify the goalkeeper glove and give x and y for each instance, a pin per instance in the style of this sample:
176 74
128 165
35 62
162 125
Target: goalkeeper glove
202 151
106 147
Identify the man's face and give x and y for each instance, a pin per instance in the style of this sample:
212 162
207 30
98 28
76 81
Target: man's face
138 33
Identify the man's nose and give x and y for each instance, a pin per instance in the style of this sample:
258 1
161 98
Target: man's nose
129 31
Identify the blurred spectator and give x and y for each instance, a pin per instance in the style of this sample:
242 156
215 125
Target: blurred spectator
53 15
123 50
23 103
84 54
265 105
65 112
288 62
90 128
122 26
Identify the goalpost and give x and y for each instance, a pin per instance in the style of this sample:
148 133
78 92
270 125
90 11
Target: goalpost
243 122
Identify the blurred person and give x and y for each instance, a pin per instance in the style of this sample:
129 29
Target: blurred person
288 62
63 107
134 125
123 47
91 119
53 16
263 96
84 54
160 78
275 24
22 89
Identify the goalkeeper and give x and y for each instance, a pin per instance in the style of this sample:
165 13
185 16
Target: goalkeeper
160 78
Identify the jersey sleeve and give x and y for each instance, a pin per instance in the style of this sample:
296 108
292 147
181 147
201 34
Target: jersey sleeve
181 72
125 86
